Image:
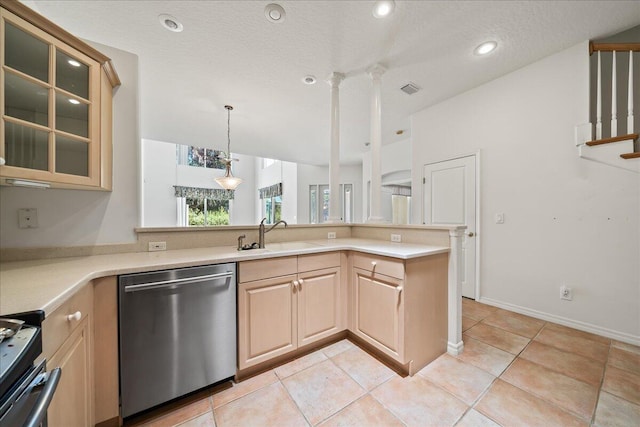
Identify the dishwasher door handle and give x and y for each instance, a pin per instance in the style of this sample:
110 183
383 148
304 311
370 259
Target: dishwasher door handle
173 282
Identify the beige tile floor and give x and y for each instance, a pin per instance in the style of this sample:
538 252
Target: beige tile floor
514 371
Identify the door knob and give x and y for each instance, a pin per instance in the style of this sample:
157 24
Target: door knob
471 234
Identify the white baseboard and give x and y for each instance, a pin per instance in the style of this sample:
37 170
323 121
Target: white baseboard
576 324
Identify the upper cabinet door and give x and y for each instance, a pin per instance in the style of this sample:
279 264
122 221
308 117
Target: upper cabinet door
56 111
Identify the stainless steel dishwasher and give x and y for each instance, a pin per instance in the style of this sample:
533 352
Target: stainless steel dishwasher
177 331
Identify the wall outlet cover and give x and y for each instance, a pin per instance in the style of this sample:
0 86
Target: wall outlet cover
396 238
28 218
566 293
331 235
157 246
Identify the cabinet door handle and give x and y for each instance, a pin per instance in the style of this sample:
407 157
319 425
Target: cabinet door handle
300 281
295 284
75 316
373 263
399 289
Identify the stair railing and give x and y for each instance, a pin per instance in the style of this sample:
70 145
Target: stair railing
615 48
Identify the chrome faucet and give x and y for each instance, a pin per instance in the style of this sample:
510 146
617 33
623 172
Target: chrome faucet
240 241
262 231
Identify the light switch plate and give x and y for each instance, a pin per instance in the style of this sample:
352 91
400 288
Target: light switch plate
28 218
499 218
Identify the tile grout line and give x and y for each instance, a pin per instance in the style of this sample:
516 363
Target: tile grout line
396 416
294 401
604 373
535 394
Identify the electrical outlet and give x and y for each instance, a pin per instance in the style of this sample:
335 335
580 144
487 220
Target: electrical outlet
499 218
396 238
157 246
28 218
331 235
566 293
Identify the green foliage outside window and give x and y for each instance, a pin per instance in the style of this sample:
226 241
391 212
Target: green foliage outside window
208 212
219 217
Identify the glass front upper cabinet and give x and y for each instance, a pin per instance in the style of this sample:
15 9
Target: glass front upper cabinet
55 124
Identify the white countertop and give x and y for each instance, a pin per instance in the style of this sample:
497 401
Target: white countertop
46 283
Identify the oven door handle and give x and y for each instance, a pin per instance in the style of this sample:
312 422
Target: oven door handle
39 411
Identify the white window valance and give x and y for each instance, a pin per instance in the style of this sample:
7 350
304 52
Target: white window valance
271 191
203 193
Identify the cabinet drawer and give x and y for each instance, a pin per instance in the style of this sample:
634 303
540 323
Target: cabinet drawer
249 271
378 264
56 326
318 261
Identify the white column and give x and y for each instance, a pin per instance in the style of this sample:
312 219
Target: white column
455 344
334 163
599 101
630 96
614 98
376 73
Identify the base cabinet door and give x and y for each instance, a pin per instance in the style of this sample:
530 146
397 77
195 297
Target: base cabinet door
71 403
379 311
318 304
267 322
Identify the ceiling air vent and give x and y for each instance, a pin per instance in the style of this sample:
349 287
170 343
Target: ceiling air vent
409 88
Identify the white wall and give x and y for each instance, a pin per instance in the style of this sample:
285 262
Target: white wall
290 192
395 162
245 204
77 217
567 220
318 175
159 175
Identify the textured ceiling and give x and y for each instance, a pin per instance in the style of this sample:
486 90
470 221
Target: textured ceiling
229 53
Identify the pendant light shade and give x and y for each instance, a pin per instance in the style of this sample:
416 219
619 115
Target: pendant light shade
228 181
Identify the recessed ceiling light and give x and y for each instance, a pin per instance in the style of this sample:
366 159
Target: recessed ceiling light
309 80
170 23
383 8
74 62
486 47
74 101
275 13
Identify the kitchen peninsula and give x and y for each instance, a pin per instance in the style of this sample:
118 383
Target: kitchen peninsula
393 299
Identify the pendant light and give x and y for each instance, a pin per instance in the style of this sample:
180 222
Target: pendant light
228 181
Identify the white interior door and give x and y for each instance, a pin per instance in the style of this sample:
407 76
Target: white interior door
450 199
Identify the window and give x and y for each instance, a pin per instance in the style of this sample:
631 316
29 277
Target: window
205 212
271 202
272 209
267 162
319 203
203 206
199 157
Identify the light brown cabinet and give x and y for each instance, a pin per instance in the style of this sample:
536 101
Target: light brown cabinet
71 404
399 307
56 116
379 309
67 344
267 319
318 305
299 306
